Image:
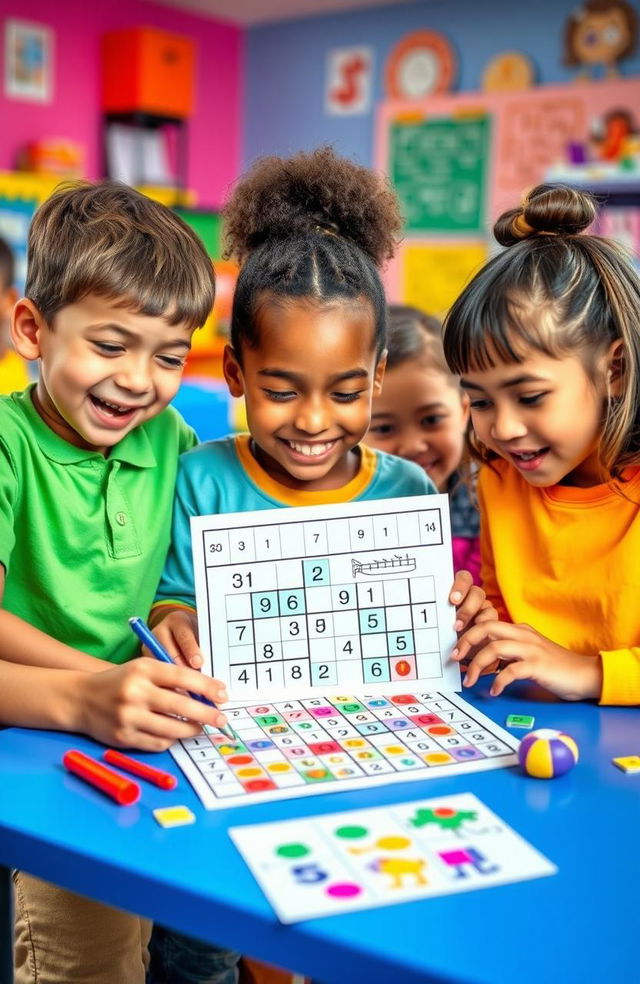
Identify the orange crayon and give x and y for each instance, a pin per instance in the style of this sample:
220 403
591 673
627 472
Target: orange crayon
123 791
157 776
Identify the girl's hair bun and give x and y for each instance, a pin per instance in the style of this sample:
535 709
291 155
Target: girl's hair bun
310 193
553 210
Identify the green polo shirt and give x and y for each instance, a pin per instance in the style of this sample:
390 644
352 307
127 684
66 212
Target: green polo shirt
83 538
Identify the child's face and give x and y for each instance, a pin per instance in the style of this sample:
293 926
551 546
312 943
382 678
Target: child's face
420 415
308 387
543 415
103 369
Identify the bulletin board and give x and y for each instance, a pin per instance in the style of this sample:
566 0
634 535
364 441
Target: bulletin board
458 161
439 169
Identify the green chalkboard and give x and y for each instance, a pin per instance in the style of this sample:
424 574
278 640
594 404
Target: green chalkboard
439 170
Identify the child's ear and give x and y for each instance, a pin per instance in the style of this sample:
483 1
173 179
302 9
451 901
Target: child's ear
378 375
27 324
615 367
466 407
232 372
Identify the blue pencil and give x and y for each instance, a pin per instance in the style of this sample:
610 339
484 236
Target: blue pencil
146 636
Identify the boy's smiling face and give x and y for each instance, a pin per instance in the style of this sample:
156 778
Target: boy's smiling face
103 369
308 387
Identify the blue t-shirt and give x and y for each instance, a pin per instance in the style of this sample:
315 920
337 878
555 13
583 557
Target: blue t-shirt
223 477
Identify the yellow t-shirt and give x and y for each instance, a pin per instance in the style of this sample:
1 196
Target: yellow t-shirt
566 561
13 373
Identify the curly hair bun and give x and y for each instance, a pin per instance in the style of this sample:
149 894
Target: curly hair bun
547 210
311 193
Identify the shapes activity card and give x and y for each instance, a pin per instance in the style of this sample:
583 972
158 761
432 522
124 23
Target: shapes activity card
304 601
361 859
293 748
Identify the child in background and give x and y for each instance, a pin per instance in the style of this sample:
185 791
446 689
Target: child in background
547 341
116 285
13 371
421 414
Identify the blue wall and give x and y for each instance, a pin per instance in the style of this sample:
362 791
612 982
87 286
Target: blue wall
285 63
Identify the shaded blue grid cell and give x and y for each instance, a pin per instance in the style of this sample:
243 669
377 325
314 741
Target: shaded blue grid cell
264 604
372 620
316 572
371 728
401 644
375 670
291 601
324 674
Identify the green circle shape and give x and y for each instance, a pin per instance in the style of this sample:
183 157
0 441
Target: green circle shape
351 833
292 850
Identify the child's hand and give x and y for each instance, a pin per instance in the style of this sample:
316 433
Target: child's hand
178 633
471 602
143 704
523 654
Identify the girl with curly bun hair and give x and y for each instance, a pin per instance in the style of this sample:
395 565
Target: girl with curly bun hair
307 353
546 339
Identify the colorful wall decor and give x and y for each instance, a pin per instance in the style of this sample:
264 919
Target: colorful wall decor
421 64
508 72
28 55
598 35
348 81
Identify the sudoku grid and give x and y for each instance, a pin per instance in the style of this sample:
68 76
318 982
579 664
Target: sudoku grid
328 603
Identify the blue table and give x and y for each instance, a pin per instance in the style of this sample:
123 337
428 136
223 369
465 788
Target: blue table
575 926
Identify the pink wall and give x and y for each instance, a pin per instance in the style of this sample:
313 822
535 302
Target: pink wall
215 129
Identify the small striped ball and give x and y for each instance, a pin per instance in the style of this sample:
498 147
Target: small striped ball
546 753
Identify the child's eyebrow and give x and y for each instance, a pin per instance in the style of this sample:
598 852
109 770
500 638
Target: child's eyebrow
295 377
130 336
517 381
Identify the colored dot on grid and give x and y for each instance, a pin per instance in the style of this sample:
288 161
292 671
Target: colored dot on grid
394 843
292 850
350 833
343 890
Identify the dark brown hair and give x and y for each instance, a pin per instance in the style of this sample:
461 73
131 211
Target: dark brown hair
314 226
560 293
110 240
7 266
413 335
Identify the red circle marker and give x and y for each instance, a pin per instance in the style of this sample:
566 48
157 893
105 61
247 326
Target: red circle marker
444 812
403 668
403 698
240 760
440 729
259 785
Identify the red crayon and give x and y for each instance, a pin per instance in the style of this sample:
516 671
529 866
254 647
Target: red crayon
163 779
124 791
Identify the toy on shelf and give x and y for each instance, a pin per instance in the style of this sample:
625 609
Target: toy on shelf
60 157
547 754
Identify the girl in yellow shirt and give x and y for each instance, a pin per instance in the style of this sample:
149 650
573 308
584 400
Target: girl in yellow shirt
546 339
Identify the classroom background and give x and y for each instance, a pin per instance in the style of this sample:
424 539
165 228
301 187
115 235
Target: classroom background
463 104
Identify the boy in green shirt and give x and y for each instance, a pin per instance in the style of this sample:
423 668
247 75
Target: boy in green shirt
115 287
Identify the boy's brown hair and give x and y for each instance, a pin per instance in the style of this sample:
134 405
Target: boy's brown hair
110 240
7 266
